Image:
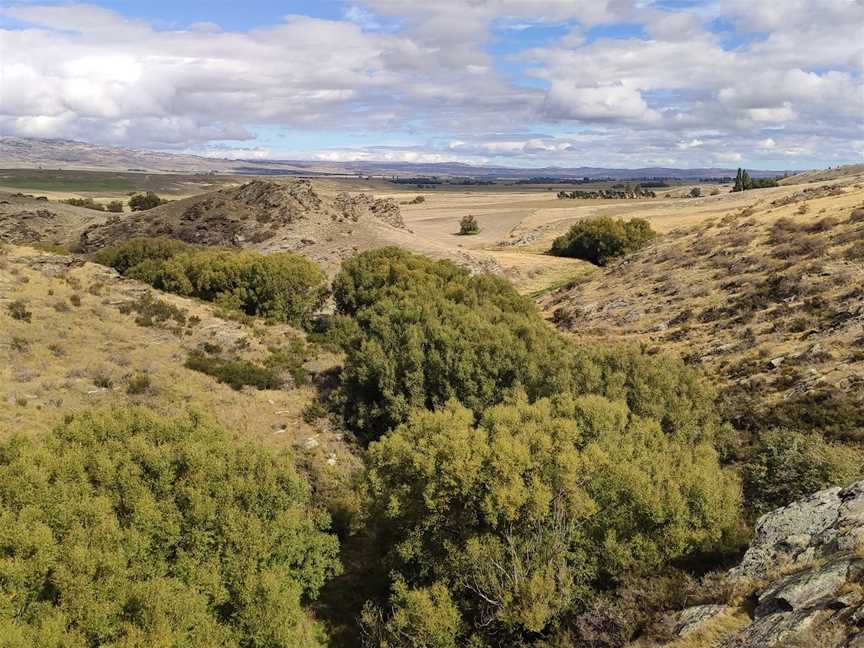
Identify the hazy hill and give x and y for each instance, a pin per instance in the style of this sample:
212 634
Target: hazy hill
17 152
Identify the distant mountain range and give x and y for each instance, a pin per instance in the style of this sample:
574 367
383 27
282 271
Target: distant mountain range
20 152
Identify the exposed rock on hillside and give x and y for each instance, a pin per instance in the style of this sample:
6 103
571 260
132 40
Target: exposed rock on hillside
25 219
802 577
257 214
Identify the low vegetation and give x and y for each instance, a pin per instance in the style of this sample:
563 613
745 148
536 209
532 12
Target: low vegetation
468 225
145 201
122 528
282 287
627 193
237 373
599 240
87 203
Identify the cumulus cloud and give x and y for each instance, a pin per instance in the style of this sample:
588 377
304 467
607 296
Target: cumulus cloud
783 82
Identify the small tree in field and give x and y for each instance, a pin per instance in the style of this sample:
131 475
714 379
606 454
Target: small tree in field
695 192
143 202
469 225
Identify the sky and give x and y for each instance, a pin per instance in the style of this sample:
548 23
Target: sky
529 83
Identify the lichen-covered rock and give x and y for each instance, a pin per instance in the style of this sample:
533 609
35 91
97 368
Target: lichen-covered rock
801 580
805 589
805 562
694 618
828 522
776 630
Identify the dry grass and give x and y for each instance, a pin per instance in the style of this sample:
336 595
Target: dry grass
710 635
732 298
71 357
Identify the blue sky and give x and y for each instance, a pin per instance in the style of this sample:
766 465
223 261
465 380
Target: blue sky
517 82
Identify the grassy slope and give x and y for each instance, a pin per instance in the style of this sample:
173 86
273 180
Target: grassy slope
705 292
52 364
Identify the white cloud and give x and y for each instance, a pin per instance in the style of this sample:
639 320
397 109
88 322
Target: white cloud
728 157
678 93
597 103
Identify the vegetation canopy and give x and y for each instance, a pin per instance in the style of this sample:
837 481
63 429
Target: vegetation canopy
599 240
280 286
418 333
124 529
520 517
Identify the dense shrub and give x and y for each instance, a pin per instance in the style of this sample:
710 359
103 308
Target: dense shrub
424 332
469 225
235 372
427 332
87 203
127 254
828 411
599 240
151 311
145 201
115 206
280 286
525 514
786 466
124 529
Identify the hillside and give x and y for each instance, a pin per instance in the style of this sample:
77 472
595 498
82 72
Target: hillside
269 216
93 339
766 298
821 175
27 152
27 219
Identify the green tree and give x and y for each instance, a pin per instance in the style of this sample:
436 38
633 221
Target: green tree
280 286
125 529
526 513
469 225
145 201
600 240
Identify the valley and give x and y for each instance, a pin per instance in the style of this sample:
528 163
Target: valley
737 328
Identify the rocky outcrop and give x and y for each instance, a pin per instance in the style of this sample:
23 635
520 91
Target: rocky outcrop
256 214
801 577
826 524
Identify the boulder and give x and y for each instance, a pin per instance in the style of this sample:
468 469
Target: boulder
694 618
